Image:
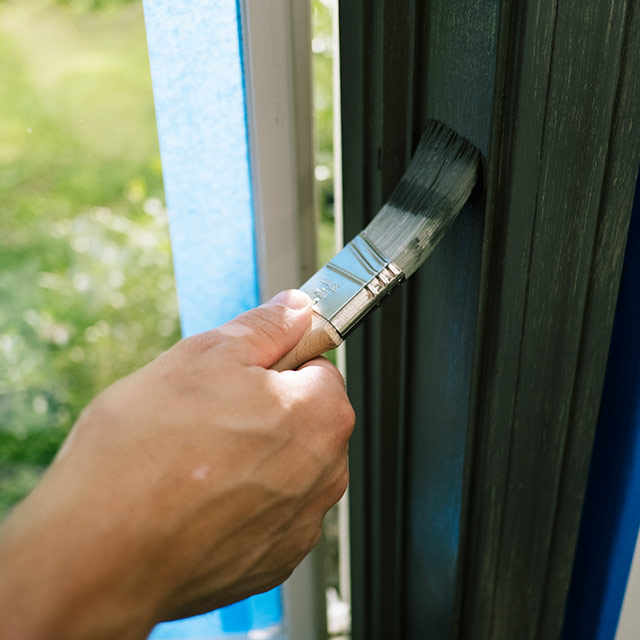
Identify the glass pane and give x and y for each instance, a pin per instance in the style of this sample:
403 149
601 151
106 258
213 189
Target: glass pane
86 281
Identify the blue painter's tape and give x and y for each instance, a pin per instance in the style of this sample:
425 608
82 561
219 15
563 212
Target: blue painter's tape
266 609
262 612
204 627
611 514
196 65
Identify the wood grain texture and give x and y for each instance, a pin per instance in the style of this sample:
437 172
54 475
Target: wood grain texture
477 389
410 364
554 253
320 337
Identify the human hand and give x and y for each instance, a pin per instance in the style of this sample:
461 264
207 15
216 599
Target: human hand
198 480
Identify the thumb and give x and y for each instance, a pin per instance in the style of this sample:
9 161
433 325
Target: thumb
263 335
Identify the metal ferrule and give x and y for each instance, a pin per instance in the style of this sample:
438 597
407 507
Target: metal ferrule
351 284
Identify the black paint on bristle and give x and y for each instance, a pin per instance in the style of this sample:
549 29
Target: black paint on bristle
433 189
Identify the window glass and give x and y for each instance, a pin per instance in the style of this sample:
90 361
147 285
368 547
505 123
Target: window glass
86 281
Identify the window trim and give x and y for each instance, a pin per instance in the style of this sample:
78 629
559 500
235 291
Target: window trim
278 84
529 427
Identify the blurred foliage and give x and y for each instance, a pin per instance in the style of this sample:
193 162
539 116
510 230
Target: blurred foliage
93 5
86 284
322 46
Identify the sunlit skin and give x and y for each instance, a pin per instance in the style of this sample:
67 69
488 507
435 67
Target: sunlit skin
196 481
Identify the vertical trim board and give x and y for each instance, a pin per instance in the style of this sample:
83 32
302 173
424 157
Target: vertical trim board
519 560
405 431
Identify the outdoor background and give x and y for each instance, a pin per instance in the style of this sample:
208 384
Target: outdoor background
86 282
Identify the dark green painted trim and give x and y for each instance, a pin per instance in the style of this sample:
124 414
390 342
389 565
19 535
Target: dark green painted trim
410 366
560 185
495 351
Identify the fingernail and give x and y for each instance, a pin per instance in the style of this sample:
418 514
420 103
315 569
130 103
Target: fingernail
292 298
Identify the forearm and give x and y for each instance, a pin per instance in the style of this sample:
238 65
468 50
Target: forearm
61 578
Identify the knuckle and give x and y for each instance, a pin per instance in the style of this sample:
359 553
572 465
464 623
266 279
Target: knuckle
332 376
329 400
349 416
345 420
329 423
339 487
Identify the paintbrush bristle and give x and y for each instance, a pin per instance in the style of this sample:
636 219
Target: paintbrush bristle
433 189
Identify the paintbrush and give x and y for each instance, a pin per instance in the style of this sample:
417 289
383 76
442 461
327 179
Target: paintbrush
394 244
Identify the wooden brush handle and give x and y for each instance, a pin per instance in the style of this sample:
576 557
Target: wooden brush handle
319 338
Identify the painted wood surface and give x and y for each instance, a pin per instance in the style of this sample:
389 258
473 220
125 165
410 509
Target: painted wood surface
560 187
477 389
409 367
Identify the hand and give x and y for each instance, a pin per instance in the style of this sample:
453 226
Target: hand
196 481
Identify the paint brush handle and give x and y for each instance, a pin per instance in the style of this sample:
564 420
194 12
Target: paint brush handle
319 338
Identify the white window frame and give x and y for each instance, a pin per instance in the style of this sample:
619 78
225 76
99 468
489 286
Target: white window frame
277 58
278 83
